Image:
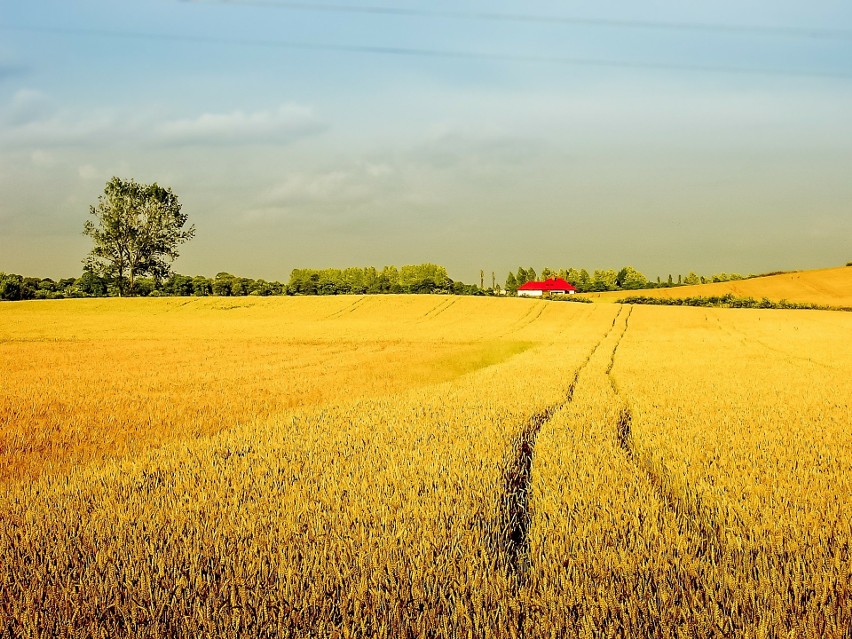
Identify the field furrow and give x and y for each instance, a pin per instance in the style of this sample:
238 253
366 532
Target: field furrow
393 467
371 517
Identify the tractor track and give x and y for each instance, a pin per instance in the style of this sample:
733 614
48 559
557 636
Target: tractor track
349 308
436 310
692 517
512 543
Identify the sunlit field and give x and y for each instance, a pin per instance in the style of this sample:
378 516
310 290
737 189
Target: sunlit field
825 287
423 466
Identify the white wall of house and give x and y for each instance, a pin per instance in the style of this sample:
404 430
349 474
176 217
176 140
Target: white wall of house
529 293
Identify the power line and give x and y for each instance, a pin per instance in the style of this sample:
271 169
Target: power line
425 52
731 29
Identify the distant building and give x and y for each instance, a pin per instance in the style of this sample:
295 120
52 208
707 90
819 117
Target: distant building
555 286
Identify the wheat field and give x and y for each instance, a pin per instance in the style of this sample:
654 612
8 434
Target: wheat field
419 466
823 287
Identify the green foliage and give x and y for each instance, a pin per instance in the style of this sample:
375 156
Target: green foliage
571 298
89 283
420 278
12 288
727 301
136 232
222 284
604 280
176 284
626 279
630 279
511 283
201 286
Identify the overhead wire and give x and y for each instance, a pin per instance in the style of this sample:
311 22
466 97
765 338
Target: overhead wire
422 52
491 16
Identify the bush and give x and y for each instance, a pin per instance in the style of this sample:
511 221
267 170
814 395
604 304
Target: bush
571 298
728 301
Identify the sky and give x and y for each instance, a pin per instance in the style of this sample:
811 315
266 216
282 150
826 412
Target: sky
670 136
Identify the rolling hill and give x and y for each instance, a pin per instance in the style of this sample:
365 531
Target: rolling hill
830 287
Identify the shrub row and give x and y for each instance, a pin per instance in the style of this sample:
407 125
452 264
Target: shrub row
728 301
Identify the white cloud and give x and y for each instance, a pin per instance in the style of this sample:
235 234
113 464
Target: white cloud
331 186
66 129
288 122
28 106
32 121
331 197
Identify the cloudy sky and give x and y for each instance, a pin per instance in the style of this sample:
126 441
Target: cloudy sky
476 134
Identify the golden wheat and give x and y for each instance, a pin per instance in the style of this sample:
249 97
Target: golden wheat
426 467
825 287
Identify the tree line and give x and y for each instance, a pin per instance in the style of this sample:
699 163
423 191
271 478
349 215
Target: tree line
411 279
626 279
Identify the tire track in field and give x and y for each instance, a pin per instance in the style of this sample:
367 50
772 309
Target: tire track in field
518 324
512 529
348 308
747 339
444 309
692 517
432 309
436 310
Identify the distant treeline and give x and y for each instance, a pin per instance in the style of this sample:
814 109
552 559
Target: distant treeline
728 301
418 279
626 279
421 278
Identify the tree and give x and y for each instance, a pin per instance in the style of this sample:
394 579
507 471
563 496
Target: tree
201 286
583 280
223 284
604 280
178 285
511 283
90 284
11 287
631 279
137 231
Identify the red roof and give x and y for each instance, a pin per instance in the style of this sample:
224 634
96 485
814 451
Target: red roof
555 284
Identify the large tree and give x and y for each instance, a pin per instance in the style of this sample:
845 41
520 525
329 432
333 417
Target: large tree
631 279
136 232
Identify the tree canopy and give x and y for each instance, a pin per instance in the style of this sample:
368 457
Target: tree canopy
136 231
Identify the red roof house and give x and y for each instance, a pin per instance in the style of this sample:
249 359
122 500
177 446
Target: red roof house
554 286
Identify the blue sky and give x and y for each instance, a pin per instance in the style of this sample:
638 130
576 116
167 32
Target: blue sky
308 138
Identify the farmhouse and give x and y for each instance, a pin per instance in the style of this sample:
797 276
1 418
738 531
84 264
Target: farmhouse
555 286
